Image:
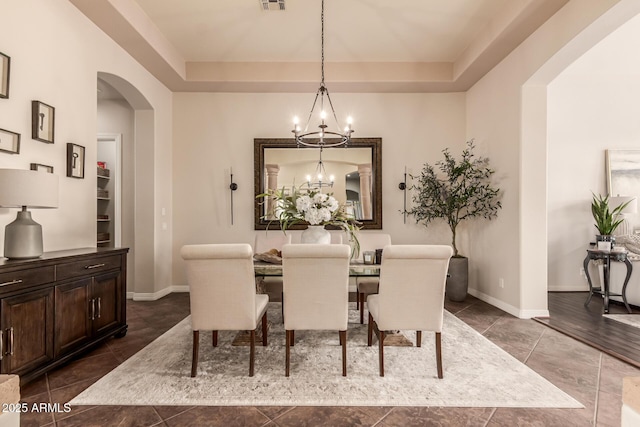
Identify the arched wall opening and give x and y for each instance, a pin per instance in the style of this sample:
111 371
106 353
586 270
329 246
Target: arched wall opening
541 250
138 181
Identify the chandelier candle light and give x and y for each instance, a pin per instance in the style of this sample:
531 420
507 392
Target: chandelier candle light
309 138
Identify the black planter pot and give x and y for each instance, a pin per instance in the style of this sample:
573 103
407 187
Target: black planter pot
458 280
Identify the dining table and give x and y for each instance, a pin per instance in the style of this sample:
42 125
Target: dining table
356 269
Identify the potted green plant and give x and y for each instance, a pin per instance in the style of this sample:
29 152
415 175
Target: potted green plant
606 220
461 191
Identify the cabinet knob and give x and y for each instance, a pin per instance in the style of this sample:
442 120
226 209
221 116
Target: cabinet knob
89 267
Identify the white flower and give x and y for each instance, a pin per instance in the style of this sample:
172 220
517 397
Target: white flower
303 203
324 214
312 217
332 204
319 198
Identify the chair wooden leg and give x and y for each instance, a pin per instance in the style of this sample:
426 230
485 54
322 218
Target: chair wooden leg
418 338
381 352
214 338
194 358
264 329
370 331
357 299
252 351
343 341
439 354
287 353
293 338
361 299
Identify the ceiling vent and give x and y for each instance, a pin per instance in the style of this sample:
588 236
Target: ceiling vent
272 4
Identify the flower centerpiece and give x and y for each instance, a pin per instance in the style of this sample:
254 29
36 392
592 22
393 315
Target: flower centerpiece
311 206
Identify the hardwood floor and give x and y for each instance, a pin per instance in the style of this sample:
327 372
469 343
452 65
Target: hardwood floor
567 314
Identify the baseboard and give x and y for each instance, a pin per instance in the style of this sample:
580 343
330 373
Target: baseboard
570 288
514 311
140 296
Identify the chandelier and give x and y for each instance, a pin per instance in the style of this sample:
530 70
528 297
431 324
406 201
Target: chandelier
321 175
310 138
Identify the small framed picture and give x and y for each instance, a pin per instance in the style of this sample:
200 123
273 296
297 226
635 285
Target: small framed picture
43 168
5 67
75 160
9 141
42 121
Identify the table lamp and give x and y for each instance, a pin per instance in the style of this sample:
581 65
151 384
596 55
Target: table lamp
630 208
20 188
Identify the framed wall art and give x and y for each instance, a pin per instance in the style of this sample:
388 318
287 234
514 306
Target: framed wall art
42 121
75 160
5 67
40 167
623 172
9 142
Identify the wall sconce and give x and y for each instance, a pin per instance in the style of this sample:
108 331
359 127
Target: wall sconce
232 187
26 189
403 186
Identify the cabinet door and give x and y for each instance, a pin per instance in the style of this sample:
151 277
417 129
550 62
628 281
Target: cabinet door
72 325
106 291
27 326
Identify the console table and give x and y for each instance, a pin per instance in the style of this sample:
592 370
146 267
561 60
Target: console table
607 257
59 305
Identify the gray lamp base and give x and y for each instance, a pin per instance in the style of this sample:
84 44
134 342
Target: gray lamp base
23 237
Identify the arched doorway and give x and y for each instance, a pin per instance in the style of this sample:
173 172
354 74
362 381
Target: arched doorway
124 111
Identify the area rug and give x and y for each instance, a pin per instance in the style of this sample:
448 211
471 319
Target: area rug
629 319
477 373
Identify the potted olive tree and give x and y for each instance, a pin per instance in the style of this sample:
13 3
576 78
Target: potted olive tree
460 191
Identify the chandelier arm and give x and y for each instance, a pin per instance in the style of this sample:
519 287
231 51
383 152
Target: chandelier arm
335 117
306 127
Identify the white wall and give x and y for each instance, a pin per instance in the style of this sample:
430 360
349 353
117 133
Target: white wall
56 54
213 132
592 106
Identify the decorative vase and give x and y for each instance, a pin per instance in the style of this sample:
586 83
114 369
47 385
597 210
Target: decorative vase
605 242
458 279
316 234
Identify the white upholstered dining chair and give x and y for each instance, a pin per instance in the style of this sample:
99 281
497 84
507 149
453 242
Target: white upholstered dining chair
367 285
223 295
410 294
316 292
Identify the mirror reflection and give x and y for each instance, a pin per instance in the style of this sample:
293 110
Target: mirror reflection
351 174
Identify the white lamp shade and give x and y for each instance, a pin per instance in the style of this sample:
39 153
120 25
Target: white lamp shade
34 189
631 208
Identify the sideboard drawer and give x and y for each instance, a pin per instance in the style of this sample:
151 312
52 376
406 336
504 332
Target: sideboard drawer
88 267
27 277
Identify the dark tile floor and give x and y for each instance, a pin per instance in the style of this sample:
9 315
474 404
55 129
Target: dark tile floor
590 376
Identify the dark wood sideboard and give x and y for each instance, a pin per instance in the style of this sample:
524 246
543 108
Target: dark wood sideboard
59 305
